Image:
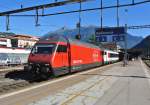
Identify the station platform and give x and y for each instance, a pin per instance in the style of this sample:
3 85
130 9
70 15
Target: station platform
108 85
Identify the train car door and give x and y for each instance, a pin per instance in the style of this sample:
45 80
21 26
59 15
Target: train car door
102 54
63 57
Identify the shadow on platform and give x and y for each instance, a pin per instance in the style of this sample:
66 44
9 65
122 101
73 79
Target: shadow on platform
23 75
126 76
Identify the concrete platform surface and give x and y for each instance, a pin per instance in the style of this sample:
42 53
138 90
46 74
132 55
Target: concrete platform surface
115 85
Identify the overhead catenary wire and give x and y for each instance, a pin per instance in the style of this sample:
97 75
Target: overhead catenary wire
118 5
37 8
49 5
85 10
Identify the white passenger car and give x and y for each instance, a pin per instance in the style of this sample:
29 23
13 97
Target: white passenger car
110 56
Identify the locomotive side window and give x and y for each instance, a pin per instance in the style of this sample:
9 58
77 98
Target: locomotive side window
62 48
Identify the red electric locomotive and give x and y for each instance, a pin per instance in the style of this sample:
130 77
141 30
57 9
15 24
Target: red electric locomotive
57 55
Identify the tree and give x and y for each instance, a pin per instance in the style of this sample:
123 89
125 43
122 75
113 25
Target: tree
92 38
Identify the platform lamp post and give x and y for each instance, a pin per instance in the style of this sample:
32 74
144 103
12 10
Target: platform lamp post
148 52
78 25
125 42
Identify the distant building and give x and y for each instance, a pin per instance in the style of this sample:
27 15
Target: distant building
21 41
5 42
111 46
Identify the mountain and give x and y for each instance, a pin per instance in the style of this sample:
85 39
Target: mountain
87 32
131 41
144 44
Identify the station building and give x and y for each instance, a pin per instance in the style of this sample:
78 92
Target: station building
23 41
18 41
5 42
111 46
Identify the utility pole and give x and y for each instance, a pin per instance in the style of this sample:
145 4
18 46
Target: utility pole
101 14
80 19
7 23
117 13
117 20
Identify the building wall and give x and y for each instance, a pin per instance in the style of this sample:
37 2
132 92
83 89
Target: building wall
21 41
9 43
25 43
5 42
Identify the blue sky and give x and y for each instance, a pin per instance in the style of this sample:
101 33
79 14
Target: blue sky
137 15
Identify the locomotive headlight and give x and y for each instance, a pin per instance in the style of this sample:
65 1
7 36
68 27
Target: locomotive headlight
30 63
46 64
47 69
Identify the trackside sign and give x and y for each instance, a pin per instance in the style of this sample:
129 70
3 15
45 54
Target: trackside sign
110 34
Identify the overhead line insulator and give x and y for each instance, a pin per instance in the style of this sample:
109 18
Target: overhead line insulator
37 18
42 11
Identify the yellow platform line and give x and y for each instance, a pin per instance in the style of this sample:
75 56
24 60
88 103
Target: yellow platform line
80 93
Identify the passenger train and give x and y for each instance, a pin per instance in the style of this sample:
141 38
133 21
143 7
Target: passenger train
57 55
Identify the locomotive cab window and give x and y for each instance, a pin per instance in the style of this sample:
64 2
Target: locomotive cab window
43 49
62 48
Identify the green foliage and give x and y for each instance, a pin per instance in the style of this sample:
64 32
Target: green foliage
92 38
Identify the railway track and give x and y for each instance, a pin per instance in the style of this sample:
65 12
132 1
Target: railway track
4 69
17 79
12 86
20 79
